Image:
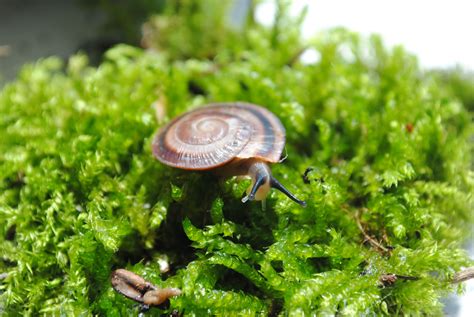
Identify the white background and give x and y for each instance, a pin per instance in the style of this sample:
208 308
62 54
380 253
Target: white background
439 32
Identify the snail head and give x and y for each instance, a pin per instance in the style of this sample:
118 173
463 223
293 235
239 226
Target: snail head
263 181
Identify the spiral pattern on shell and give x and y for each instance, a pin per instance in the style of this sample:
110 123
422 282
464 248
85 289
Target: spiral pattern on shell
214 135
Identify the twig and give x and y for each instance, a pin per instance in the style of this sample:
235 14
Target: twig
390 279
368 238
463 275
161 106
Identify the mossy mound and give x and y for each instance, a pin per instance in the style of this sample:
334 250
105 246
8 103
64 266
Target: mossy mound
389 190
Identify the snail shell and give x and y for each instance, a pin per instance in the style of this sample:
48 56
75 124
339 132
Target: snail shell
211 136
138 289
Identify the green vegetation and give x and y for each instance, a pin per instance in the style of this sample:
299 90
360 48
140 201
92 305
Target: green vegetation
460 83
81 195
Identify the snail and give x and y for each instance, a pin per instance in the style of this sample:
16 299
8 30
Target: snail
138 289
231 139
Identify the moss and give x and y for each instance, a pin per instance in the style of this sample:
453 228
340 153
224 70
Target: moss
389 190
460 83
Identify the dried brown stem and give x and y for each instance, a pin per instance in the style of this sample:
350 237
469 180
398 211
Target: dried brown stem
463 275
390 279
368 238
161 108
459 277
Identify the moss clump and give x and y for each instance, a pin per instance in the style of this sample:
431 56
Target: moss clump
389 190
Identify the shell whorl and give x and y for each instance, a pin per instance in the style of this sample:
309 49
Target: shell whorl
213 135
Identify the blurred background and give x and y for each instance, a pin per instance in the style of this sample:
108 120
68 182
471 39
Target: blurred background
439 32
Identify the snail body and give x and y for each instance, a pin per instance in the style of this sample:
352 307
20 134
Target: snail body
231 139
159 296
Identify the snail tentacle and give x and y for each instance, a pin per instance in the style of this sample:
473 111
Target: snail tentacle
260 176
277 185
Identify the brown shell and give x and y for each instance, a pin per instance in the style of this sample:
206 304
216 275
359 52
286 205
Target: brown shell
213 135
130 284
138 289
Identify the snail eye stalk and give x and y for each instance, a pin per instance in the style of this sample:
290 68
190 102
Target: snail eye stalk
259 181
277 185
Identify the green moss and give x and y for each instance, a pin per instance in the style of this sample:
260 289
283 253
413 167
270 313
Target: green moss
81 194
460 83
